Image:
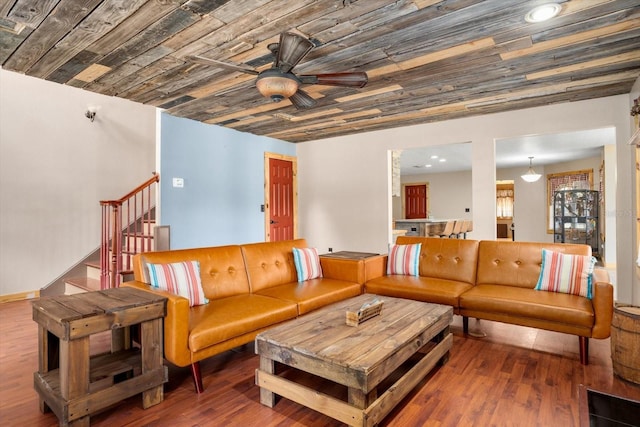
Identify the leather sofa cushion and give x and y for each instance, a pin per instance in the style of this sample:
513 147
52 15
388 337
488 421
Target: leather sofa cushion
222 269
523 303
450 259
314 293
517 264
224 319
271 264
427 289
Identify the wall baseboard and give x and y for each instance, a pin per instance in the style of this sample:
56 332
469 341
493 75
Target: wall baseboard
19 297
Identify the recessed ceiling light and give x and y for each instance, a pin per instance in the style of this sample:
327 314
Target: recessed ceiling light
427 166
434 157
543 12
442 160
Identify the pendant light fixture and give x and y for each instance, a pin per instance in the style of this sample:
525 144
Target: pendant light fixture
531 175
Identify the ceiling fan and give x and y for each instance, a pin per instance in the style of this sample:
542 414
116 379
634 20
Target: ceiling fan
279 82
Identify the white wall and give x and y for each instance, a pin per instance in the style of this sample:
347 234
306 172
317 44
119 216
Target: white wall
634 295
55 167
344 184
449 194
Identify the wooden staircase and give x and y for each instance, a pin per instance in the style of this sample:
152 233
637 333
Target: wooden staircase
91 280
128 226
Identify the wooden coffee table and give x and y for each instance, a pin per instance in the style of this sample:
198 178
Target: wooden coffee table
362 358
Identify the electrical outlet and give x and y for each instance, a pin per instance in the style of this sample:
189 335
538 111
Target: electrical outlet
330 250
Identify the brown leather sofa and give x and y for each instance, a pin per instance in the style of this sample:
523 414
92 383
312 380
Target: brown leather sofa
250 288
495 280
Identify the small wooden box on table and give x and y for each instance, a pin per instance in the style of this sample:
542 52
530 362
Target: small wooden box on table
367 359
75 385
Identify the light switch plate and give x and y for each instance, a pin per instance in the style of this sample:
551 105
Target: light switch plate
178 182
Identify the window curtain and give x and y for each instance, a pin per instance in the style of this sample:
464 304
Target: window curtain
504 203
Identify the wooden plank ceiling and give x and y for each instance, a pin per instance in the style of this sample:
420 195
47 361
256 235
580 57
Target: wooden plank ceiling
427 60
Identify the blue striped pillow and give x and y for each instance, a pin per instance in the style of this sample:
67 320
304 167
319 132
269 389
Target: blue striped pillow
307 263
404 259
569 274
180 278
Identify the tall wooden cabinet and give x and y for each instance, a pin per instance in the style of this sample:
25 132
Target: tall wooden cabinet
576 218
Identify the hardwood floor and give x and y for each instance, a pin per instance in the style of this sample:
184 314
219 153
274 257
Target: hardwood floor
515 376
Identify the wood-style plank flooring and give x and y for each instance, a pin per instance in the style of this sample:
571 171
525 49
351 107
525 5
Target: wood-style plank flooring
515 376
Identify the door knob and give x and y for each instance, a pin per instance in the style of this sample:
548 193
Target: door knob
273 222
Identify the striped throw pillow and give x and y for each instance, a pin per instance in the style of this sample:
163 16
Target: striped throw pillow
404 259
569 274
180 278
307 263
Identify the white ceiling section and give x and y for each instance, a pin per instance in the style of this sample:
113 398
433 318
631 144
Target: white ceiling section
510 152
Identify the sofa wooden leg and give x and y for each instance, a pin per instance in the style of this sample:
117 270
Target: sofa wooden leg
584 350
465 324
197 377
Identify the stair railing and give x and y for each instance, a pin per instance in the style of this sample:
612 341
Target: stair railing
126 231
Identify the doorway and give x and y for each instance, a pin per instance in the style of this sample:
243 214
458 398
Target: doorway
281 197
505 201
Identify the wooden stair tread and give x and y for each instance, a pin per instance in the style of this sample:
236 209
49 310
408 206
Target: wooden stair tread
84 283
94 263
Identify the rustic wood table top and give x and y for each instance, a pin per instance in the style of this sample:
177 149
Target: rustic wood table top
356 356
77 315
350 255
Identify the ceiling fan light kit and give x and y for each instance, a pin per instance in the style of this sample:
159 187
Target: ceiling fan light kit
276 85
279 82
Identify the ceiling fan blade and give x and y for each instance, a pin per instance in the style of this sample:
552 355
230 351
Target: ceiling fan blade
214 62
291 49
357 79
302 100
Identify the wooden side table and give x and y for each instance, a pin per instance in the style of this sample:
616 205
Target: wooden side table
371 264
75 385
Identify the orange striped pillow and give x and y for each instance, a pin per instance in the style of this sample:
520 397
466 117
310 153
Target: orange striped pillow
569 274
180 278
404 259
307 263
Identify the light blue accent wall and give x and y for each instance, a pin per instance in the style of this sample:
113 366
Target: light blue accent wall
223 173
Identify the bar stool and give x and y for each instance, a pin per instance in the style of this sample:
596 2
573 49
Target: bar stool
448 229
466 226
457 228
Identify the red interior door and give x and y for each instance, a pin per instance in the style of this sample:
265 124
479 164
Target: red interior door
415 201
281 199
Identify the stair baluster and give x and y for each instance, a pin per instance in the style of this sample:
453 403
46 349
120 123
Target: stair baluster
126 230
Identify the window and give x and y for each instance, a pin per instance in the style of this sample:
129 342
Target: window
504 203
575 180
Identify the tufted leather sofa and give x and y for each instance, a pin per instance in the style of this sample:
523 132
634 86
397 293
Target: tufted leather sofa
250 288
495 280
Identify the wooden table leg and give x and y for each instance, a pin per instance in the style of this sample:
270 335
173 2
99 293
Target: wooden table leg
359 399
439 338
74 375
120 339
48 357
267 397
151 347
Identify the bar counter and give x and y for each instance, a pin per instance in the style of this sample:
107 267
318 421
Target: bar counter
421 227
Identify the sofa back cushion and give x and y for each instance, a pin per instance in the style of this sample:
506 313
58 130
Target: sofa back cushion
222 270
271 263
449 259
517 263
